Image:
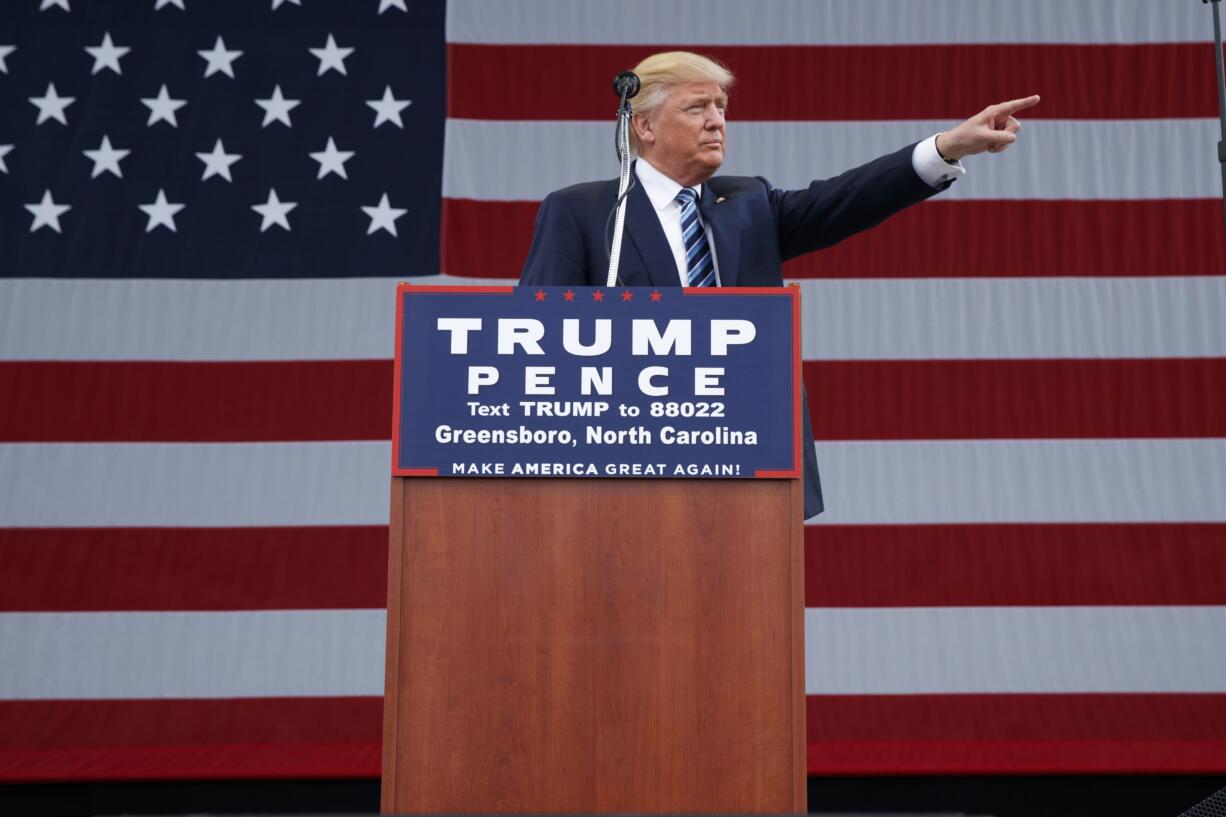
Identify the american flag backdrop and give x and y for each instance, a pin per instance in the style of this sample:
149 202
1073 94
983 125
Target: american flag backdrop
1017 387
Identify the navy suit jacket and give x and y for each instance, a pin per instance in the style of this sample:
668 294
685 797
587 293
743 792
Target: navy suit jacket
756 227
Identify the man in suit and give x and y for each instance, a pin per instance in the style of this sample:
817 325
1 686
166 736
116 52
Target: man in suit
685 226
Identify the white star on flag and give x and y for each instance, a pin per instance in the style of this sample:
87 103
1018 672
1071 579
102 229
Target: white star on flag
162 108
106 54
161 213
276 4
219 59
277 108
5 50
218 162
384 5
52 105
47 213
46 4
106 158
330 56
177 3
4 151
332 160
388 108
274 211
383 216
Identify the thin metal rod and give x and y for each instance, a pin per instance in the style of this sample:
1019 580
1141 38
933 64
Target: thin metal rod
619 221
1221 98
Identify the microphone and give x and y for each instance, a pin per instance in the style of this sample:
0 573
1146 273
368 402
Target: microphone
626 84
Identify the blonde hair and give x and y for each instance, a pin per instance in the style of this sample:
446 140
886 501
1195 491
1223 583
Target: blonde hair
660 72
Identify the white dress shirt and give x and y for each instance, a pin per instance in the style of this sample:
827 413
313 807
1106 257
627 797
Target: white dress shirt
662 192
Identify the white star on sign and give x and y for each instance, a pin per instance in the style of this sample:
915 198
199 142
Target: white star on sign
161 213
277 108
332 160
388 108
47 213
220 59
330 56
4 151
178 3
383 217
107 54
162 108
274 211
52 105
218 162
106 158
384 5
276 4
46 4
5 50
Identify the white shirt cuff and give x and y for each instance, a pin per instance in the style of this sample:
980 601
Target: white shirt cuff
930 167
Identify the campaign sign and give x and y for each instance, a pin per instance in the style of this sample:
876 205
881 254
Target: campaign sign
596 382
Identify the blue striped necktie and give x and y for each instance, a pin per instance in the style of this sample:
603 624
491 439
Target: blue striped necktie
699 265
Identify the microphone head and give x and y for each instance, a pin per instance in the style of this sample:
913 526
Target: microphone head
626 84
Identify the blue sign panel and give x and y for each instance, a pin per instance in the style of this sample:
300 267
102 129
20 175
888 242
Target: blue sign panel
596 382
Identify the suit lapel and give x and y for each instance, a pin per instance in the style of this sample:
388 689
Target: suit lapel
647 236
720 213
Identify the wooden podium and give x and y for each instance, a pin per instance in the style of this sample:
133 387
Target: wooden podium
595 645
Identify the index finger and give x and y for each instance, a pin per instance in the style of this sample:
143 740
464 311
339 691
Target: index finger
1014 105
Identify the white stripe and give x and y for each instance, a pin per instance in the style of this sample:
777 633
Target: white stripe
192 655
1014 650
194 484
824 22
890 482
911 319
697 265
690 230
1016 318
320 319
1054 158
989 481
848 651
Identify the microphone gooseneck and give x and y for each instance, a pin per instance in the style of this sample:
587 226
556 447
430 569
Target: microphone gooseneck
625 85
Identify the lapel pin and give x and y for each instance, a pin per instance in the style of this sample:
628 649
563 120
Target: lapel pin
721 198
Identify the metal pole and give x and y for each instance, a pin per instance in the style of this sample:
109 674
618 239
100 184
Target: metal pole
1221 97
623 184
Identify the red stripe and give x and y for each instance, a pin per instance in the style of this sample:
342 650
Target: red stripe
1014 399
908 399
190 739
1016 734
1007 565
885 734
847 566
76 570
233 401
1160 80
291 760
507 234
87 569
83 569
938 239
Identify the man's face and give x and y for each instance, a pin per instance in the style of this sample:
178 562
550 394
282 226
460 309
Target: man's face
685 136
